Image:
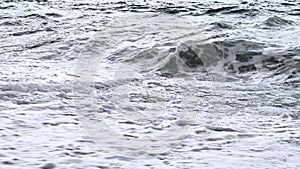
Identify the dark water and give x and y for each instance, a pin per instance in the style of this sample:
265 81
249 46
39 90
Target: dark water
184 84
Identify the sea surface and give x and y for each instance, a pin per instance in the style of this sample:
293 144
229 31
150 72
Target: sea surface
150 84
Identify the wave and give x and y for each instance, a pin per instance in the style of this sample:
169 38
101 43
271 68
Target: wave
276 21
234 57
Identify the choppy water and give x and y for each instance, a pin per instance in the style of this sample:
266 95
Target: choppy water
212 84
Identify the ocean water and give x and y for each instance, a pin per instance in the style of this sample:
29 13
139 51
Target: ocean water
150 84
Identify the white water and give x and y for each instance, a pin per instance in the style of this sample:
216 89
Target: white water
255 117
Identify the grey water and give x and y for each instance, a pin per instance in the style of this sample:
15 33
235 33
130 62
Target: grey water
150 84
